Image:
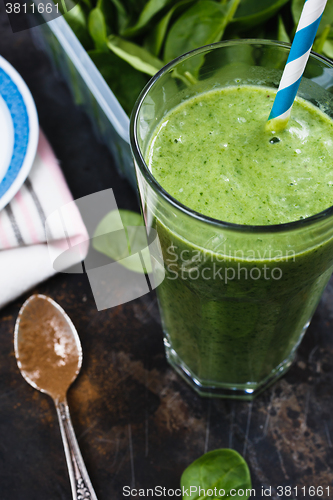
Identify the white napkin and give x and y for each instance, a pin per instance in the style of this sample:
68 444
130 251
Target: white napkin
25 259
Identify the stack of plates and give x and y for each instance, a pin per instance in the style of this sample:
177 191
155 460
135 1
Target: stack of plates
18 132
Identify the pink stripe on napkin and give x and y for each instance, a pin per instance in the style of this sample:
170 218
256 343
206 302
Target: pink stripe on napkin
25 257
30 223
47 156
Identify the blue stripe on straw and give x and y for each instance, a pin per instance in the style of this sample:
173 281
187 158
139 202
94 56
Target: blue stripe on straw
285 99
303 40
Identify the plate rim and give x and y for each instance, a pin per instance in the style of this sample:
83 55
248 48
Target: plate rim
33 135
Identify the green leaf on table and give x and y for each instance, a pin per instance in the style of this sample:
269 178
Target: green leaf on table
121 239
282 34
222 469
97 28
151 8
155 39
201 24
77 20
251 13
138 57
327 17
125 82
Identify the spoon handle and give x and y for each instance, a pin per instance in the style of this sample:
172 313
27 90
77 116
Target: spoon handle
82 488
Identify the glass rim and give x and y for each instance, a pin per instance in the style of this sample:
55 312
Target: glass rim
154 184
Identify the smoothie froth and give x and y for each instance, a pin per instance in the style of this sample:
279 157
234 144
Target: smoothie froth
213 155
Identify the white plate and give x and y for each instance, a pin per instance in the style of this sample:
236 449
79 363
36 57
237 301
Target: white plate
18 131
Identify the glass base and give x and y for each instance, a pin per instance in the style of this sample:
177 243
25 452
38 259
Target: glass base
245 392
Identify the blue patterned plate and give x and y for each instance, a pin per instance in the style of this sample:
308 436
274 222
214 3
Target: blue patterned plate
18 131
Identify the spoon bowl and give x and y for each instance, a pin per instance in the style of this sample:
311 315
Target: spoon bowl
49 355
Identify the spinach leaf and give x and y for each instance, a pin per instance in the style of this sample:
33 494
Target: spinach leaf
123 17
151 8
97 28
77 20
119 242
201 24
138 57
110 15
133 9
282 34
125 82
155 39
63 7
327 17
174 27
297 7
254 12
319 43
196 27
87 3
222 469
328 48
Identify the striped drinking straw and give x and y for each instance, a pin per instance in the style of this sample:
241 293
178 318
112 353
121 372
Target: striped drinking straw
298 57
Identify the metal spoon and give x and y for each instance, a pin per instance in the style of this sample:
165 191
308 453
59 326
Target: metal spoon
49 354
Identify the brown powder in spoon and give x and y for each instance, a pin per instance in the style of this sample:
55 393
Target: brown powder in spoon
47 350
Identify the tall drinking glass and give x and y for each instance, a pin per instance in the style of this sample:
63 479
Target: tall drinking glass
236 299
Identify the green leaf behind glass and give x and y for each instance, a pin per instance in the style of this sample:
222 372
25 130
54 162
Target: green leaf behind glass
201 24
133 9
222 469
151 8
297 7
110 15
125 82
155 39
77 20
138 57
328 45
328 48
319 43
87 3
122 15
282 34
254 12
97 28
197 26
118 243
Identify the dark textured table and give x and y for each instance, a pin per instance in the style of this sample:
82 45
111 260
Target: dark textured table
138 424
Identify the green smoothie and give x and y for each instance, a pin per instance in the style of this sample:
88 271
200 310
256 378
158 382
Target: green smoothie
234 307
